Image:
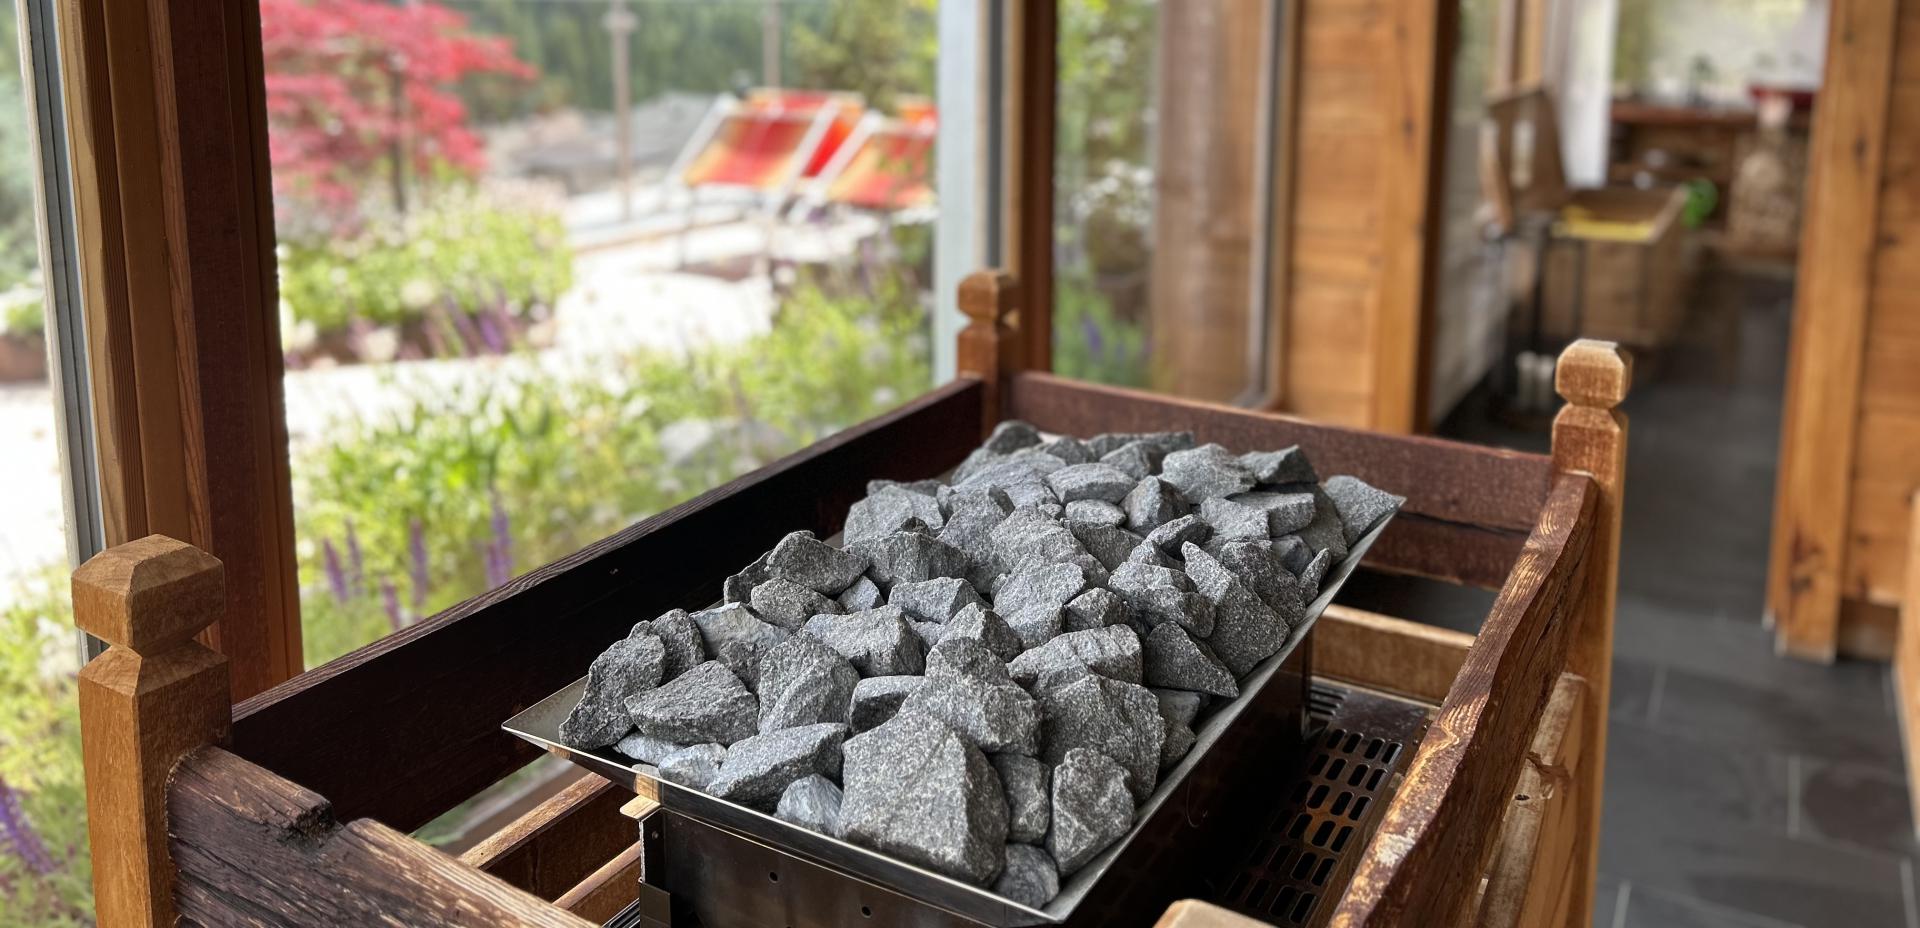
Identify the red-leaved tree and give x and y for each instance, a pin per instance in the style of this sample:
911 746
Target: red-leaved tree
361 92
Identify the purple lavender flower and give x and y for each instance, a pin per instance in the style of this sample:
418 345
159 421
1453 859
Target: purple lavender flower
354 559
490 334
417 551
463 326
391 599
1096 341
336 575
19 834
499 553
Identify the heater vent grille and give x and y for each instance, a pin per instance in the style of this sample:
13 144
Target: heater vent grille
1311 841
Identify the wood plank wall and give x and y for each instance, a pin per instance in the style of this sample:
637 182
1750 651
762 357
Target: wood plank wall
1370 80
1850 445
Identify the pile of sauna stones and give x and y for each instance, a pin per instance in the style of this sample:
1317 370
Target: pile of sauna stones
990 676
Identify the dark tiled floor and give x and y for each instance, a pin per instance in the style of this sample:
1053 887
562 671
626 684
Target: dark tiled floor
1742 789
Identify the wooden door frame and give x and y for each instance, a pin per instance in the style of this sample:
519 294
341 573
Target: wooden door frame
173 213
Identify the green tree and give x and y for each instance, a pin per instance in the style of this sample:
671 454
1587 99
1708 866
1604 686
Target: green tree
880 49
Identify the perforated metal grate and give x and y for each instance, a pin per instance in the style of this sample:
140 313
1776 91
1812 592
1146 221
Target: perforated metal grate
1316 834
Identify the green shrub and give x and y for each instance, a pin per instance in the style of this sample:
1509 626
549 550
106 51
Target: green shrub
403 516
1091 341
45 873
465 250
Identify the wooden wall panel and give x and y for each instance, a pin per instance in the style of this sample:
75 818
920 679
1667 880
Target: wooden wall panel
1855 132
1365 170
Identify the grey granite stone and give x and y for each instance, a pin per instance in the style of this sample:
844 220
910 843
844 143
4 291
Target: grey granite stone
1234 521
973 514
1314 574
1108 544
1288 465
1021 479
1067 448
917 790
629 667
812 802
1010 436
738 587
861 595
1246 631
1119 719
1029 785
1359 504
993 716
819 566
707 703
681 638
804 682
1258 568
1095 608
1294 554
782 602
876 699
1180 706
1178 741
1133 459
930 632
1208 470
1160 443
1146 553
1173 659
1170 536
1091 807
878 642
1095 512
1090 481
910 557
977 460
966 658
736 637
645 749
1286 512
935 600
1152 503
758 769
887 512
1031 600
922 487
1028 877
1113 651
1325 532
1029 537
985 626
693 767
1157 594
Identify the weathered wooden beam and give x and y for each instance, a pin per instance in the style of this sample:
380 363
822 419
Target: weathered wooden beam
1590 438
153 697
1425 860
1533 867
255 849
1388 654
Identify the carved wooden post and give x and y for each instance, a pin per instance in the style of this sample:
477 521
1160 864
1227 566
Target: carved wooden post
1590 437
153 697
988 349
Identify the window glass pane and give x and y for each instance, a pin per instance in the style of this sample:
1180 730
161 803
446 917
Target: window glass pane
1156 189
547 268
45 878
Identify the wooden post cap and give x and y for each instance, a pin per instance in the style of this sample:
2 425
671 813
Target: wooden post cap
1593 373
148 594
989 295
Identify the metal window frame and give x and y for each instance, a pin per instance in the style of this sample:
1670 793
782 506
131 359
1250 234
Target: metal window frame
969 180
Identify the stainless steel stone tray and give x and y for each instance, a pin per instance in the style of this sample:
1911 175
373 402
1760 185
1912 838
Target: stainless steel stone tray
540 724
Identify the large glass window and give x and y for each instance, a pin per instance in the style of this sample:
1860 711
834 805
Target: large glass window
1159 194
45 879
549 267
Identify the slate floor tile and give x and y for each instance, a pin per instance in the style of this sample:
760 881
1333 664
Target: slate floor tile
1648 907
1762 716
1854 804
